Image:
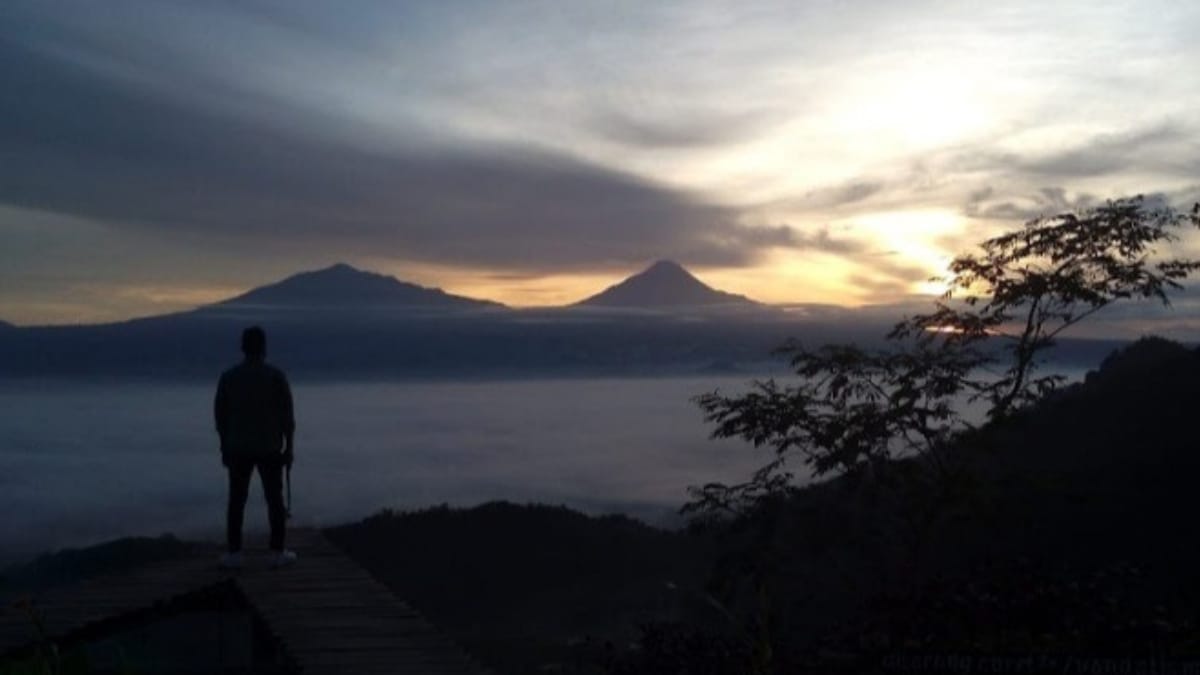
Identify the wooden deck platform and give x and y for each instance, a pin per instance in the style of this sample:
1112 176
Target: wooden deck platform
328 615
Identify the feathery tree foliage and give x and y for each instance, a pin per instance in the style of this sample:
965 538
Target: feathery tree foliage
853 408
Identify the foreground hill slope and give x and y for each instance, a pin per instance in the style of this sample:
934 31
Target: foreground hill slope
1112 462
523 586
1070 528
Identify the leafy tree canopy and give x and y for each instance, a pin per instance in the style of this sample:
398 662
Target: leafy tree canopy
852 408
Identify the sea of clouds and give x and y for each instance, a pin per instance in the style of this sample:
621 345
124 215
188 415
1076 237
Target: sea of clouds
82 463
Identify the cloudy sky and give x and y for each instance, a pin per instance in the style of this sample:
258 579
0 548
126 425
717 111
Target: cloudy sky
162 154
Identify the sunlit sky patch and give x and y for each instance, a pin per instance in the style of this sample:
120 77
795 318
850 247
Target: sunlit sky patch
158 155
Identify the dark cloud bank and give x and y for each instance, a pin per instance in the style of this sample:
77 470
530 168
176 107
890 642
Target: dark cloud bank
95 145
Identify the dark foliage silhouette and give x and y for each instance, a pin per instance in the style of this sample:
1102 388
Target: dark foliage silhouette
853 407
889 422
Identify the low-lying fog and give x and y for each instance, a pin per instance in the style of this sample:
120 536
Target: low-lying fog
84 463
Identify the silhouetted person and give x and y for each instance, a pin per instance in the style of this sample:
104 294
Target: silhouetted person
253 410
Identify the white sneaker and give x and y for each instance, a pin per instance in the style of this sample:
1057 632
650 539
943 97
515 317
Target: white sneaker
231 561
284 558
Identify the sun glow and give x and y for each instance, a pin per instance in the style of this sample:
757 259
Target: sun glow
918 107
790 277
916 240
515 289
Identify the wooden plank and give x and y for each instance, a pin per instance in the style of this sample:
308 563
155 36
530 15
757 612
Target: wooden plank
322 662
310 613
380 658
284 593
330 614
388 625
414 654
356 643
277 601
328 574
377 616
374 631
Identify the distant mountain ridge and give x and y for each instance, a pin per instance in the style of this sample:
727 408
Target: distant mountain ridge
342 285
664 284
340 323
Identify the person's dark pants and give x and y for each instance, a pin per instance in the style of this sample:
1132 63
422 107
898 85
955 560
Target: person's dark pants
270 471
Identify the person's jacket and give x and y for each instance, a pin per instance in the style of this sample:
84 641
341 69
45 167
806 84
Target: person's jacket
253 409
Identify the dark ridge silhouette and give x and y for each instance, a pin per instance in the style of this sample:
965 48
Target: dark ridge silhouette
518 584
1130 364
4 325
373 344
341 322
71 565
1074 534
344 286
663 284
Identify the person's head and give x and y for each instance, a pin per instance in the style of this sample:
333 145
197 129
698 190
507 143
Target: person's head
254 343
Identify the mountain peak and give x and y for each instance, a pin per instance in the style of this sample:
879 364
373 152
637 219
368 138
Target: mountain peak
666 267
665 283
344 286
343 268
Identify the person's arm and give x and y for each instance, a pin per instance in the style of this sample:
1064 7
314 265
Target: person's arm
287 414
221 415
